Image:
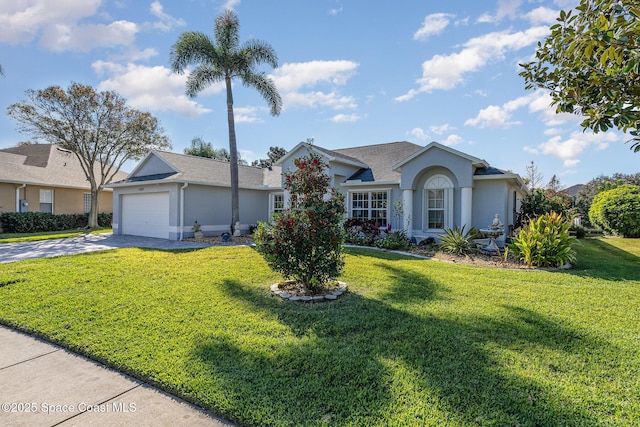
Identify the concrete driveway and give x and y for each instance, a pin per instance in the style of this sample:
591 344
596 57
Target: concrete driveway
11 252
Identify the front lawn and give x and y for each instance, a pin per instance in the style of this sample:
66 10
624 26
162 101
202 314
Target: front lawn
48 235
415 342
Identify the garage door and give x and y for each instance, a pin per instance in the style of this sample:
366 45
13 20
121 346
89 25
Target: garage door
146 215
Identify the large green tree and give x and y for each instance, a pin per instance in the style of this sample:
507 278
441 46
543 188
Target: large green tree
223 59
274 154
201 148
601 183
591 65
98 127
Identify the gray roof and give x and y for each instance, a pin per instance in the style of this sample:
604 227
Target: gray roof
377 164
45 165
380 158
202 170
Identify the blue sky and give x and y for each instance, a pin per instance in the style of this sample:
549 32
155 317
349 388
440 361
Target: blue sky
352 73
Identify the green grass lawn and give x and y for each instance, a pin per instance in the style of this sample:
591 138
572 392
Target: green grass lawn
415 342
32 237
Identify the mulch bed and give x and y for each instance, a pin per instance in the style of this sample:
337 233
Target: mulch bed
478 258
244 239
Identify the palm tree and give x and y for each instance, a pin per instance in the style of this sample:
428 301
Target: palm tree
224 59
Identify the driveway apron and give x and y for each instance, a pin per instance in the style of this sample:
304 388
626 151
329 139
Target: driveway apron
11 252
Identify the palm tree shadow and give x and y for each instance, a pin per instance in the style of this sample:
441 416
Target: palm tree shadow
602 260
343 361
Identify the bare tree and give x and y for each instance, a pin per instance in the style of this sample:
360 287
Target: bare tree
533 176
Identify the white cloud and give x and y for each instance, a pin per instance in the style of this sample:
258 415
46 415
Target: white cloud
61 37
292 78
335 11
538 102
506 9
569 149
441 129
485 18
542 15
542 104
167 22
433 24
419 134
56 23
229 4
345 118
22 21
318 99
495 116
553 131
150 88
247 114
447 71
530 149
451 140
491 117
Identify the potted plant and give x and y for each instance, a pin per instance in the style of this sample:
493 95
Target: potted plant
197 231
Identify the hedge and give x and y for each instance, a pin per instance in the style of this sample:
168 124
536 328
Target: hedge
36 222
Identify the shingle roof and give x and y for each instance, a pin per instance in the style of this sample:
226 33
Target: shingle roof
203 170
338 154
44 164
380 158
488 171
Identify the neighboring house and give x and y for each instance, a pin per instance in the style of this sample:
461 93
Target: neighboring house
423 190
46 178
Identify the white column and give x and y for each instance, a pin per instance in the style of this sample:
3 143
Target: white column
285 198
466 207
407 210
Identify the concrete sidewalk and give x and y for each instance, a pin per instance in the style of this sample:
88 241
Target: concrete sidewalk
42 384
10 252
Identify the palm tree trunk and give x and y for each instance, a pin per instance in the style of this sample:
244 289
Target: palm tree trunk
233 160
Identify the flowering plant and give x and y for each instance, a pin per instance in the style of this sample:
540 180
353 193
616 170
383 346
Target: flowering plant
305 241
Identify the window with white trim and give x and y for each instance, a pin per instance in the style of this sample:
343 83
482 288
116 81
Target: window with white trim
86 202
438 203
276 203
46 201
370 205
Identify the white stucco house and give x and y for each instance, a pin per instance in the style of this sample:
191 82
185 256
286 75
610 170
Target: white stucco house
422 189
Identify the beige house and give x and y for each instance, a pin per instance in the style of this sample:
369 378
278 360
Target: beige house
47 178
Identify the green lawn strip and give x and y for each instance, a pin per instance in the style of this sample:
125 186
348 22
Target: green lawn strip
32 237
413 342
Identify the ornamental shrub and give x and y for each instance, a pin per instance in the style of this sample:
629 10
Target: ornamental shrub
456 241
364 232
304 242
617 211
541 202
397 240
545 242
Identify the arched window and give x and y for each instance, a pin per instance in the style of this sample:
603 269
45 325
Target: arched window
438 203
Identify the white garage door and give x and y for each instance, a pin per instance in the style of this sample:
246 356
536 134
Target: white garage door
146 215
